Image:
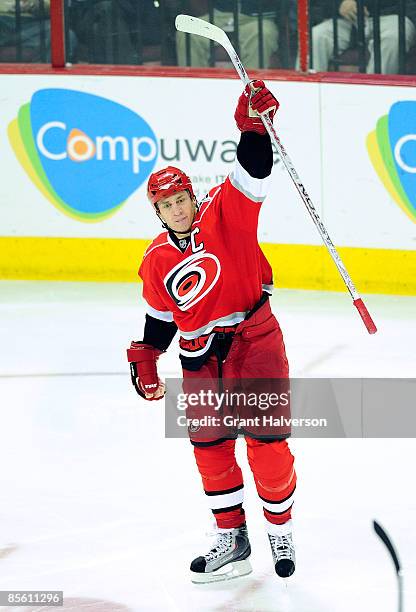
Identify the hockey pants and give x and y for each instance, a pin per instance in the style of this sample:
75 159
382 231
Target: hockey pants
257 352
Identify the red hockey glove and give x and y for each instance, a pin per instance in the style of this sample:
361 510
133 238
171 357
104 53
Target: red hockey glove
142 358
255 100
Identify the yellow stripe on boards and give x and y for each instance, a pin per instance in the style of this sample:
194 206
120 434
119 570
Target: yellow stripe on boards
71 259
294 266
298 266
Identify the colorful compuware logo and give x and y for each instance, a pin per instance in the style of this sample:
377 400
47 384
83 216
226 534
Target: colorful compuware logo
392 150
86 154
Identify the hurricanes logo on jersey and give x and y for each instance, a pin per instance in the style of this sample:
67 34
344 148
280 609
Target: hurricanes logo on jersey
192 279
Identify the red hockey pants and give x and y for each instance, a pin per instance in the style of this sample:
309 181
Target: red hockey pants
257 352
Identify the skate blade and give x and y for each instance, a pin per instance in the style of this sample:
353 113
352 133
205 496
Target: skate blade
227 572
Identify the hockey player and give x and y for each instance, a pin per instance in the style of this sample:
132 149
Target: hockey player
207 277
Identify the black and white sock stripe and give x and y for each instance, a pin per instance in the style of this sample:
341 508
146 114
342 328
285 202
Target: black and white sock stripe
278 507
228 499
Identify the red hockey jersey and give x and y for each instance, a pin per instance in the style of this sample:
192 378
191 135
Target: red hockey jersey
222 273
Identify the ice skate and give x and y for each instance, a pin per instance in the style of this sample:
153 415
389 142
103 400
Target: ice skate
228 558
283 550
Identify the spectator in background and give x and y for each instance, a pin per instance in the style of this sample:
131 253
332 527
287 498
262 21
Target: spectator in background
247 27
103 30
323 36
25 37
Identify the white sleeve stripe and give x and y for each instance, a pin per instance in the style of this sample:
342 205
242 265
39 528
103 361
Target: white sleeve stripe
159 314
253 188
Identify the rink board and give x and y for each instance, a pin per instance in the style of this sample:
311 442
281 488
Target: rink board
294 266
77 152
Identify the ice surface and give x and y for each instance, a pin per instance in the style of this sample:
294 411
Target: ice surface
97 503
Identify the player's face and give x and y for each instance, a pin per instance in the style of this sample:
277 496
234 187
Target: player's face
177 211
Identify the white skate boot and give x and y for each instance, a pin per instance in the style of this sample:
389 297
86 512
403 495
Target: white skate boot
283 550
228 558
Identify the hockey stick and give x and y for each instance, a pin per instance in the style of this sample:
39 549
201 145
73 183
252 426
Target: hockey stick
192 25
388 543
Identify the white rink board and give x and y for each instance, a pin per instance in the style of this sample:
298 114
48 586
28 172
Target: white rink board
357 207
175 114
322 126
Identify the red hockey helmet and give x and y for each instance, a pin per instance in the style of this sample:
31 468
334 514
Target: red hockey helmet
167 182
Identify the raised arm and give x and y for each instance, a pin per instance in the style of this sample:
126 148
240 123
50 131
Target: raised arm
254 151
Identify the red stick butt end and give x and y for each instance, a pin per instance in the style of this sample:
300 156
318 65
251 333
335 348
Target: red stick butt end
365 315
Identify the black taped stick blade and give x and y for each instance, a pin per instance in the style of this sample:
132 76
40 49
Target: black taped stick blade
388 543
